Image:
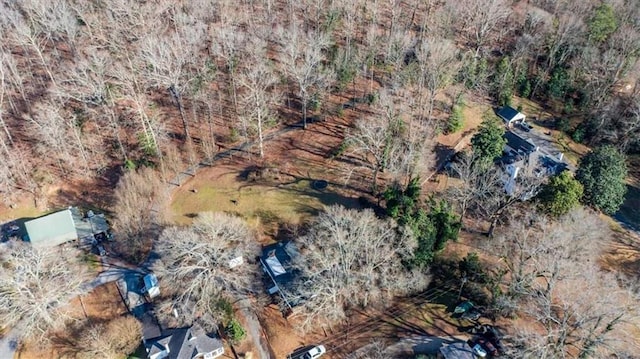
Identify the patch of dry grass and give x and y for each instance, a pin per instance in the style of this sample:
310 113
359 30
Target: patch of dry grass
260 203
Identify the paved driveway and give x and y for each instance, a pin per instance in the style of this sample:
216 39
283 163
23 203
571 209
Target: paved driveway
9 344
548 145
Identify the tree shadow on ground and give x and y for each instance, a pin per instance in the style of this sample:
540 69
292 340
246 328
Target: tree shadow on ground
629 212
443 154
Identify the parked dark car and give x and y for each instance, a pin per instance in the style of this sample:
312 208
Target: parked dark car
525 126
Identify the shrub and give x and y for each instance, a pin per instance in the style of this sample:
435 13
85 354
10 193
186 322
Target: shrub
562 124
235 332
456 120
130 165
561 194
602 173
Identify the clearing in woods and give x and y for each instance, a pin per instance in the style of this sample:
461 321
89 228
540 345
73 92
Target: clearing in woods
263 201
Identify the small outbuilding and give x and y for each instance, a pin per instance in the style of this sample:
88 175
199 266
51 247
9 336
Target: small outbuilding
510 116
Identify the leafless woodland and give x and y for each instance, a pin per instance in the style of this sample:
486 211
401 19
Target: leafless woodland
89 88
86 86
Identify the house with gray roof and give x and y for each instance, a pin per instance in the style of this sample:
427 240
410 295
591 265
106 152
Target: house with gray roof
457 350
276 261
521 156
184 343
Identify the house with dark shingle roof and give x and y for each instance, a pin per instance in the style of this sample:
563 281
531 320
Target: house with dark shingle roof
510 116
184 343
458 350
276 261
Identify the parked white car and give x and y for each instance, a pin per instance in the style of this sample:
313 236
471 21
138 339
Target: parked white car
479 351
315 352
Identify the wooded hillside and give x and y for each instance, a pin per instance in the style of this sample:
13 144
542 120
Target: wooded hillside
87 87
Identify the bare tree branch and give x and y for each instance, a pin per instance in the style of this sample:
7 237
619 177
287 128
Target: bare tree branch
352 259
36 285
196 261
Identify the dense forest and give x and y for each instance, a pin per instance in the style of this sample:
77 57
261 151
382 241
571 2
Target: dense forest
90 86
114 98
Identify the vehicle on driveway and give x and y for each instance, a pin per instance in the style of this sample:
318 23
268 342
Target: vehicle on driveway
467 311
525 126
308 352
315 352
479 351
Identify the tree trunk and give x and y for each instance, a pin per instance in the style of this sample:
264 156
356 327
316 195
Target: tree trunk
260 138
432 100
374 186
176 96
304 111
492 227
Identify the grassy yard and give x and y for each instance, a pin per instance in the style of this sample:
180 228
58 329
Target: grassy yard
23 210
261 203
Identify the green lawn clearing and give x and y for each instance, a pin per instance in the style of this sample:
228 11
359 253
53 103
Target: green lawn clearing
259 203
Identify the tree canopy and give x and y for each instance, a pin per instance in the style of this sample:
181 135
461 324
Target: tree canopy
561 194
548 270
351 258
431 225
196 260
602 173
36 286
488 142
602 24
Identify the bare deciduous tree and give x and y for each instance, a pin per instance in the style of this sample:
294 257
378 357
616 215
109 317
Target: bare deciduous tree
350 259
170 62
553 278
375 350
383 141
563 38
480 19
36 285
438 62
227 44
303 60
197 260
134 199
258 80
59 135
105 340
476 186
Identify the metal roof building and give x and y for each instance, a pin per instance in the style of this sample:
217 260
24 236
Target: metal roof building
51 230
